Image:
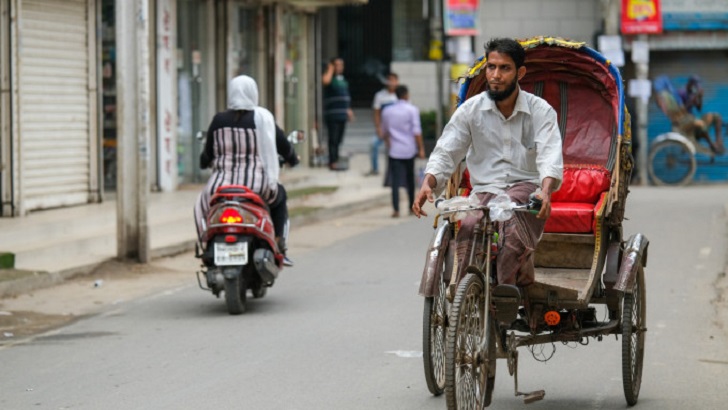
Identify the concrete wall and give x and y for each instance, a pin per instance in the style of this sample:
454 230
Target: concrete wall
574 19
419 77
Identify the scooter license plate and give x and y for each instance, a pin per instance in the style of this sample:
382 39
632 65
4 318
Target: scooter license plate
227 254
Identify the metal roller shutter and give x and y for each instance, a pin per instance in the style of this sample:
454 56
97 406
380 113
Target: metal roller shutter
54 102
711 67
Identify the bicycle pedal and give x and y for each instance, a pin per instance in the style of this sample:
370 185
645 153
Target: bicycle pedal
533 396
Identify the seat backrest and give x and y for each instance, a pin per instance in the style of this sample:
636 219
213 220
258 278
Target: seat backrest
582 184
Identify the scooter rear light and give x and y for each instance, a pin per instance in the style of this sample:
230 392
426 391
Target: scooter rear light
231 238
231 216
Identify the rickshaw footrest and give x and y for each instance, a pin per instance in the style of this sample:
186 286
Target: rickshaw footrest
507 299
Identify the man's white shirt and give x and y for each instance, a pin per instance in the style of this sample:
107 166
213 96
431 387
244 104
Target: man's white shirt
500 151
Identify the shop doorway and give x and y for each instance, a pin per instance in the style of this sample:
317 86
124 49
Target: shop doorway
195 84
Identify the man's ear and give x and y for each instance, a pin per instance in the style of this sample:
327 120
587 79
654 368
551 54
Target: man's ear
521 72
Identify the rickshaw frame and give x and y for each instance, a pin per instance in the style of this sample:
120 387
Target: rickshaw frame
609 267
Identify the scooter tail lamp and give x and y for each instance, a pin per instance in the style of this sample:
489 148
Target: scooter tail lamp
231 216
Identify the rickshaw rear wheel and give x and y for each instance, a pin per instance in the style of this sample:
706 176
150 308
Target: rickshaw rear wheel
469 372
633 338
671 163
434 329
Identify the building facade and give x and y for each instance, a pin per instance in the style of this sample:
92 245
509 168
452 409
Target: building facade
58 87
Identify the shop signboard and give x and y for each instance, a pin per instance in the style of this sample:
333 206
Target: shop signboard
694 15
641 17
461 17
166 94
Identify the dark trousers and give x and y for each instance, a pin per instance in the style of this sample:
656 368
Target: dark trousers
402 172
336 137
279 211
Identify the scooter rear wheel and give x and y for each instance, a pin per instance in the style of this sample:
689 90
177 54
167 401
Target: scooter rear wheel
235 295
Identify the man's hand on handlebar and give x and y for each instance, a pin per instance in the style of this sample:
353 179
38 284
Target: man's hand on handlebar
425 194
545 211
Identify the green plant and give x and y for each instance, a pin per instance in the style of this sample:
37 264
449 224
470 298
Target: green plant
428 121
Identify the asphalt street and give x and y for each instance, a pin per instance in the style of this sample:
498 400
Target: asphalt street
342 330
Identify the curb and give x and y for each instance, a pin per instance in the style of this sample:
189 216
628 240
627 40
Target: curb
41 279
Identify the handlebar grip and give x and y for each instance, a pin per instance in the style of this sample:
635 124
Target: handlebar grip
534 203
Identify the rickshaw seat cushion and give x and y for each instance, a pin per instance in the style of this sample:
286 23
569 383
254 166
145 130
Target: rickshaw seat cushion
582 184
570 217
575 205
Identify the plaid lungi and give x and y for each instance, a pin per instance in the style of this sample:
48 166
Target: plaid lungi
517 240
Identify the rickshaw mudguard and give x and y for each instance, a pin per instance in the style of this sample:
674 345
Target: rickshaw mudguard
436 253
634 254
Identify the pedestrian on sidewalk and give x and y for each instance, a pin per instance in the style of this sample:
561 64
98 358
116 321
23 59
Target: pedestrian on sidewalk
242 148
402 134
337 109
383 98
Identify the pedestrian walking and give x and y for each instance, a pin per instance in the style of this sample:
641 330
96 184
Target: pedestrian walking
402 134
383 98
337 109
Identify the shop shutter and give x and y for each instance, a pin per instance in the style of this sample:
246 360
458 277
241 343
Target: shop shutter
710 66
55 156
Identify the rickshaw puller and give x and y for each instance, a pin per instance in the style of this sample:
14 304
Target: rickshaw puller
513 144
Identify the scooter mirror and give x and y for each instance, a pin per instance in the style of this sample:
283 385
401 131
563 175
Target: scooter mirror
296 137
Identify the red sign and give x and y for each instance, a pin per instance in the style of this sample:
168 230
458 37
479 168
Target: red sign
461 17
641 17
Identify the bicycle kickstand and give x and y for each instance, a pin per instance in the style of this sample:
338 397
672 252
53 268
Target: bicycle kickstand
528 397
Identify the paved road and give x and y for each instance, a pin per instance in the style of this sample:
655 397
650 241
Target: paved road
337 331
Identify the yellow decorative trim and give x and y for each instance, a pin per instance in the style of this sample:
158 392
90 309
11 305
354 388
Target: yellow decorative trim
530 43
552 41
475 69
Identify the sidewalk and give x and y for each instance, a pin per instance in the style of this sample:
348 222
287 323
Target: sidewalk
51 246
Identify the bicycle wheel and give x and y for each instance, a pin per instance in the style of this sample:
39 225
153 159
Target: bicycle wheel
671 163
434 325
469 372
633 338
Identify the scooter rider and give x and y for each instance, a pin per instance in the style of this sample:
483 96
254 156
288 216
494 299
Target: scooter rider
242 148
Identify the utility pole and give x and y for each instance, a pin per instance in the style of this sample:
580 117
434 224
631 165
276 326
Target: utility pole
436 32
642 69
133 119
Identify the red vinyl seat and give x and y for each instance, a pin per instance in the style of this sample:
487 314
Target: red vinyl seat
575 205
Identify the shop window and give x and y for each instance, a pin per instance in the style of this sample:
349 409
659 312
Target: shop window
409 31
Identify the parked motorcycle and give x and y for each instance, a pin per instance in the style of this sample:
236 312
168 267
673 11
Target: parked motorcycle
239 248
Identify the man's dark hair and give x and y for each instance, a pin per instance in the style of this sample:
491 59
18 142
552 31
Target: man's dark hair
507 46
393 75
401 91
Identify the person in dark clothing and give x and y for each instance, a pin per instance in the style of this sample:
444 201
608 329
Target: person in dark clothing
242 148
337 108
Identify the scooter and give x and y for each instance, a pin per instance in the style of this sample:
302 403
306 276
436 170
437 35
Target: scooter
240 248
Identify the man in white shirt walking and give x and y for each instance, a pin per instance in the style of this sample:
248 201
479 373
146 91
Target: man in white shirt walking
383 98
513 144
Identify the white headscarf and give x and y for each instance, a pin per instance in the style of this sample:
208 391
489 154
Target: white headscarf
243 95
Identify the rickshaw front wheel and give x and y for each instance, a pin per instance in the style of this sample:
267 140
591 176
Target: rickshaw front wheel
434 328
469 371
633 338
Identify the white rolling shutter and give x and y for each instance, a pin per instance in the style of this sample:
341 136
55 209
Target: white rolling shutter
55 156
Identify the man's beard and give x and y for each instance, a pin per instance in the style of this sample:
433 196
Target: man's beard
498 96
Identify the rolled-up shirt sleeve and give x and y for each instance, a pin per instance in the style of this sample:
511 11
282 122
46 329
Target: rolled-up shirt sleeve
549 158
450 149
